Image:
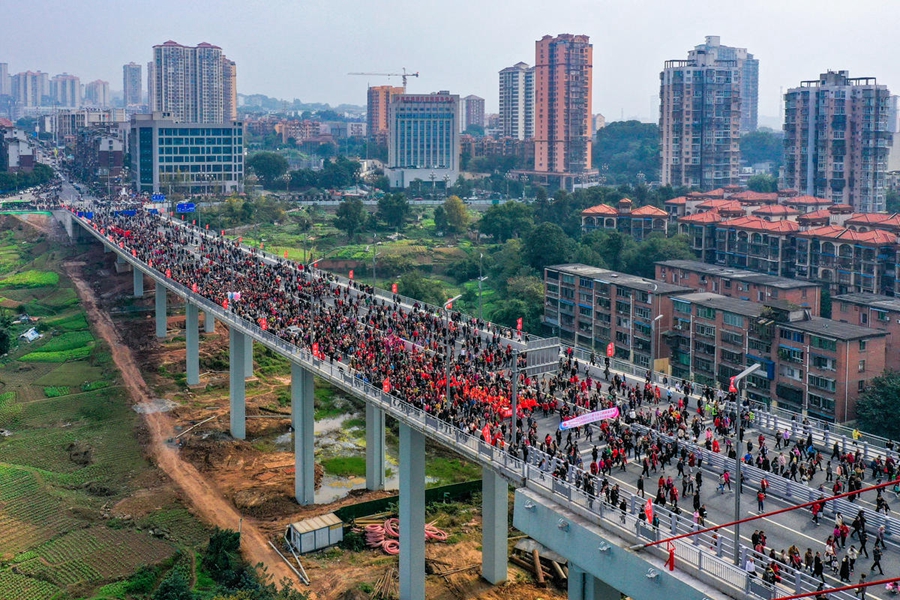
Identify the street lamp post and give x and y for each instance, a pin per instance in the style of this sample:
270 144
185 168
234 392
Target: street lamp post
737 461
433 189
447 184
653 343
447 306
480 280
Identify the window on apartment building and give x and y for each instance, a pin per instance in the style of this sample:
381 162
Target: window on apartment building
862 366
862 345
861 385
863 318
844 307
733 319
705 312
682 307
823 343
882 316
726 283
824 363
823 383
570 279
623 292
585 283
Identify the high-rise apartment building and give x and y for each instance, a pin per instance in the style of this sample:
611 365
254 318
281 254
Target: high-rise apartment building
151 85
30 88
563 127
749 67
423 138
5 82
517 102
700 121
472 112
836 140
229 89
189 83
378 104
96 93
131 84
65 90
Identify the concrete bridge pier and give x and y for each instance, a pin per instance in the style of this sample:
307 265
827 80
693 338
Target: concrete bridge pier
210 322
412 514
374 447
248 357
303 420
192 338
138 283
584 586
161 324
236 387
494 529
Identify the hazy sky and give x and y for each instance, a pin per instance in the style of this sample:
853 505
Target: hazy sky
305 48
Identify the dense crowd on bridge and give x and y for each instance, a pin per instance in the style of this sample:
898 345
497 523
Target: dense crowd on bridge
404 349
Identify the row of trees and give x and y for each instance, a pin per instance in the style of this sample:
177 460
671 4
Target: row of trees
10 182
272 170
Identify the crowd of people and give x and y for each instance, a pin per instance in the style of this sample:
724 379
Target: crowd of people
404 349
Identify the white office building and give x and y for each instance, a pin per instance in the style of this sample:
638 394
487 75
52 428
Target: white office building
423 142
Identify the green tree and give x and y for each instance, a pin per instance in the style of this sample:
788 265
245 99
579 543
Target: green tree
507 263
892 201
611 246
393 210
440 219
5 341
507 220
625 149
825 309
763 183
457 215
880 399
350 217
641 259
412 284
268 166
547 244
174 587
763 145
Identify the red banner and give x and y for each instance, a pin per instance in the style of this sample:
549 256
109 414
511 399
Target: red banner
285 253
519 324
393 288
263 323
194 287
486 433
386 386
225 303
731 387
648 510
351 274
610 350
169 273
315 348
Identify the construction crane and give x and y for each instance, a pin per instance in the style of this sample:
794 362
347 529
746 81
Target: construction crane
404 75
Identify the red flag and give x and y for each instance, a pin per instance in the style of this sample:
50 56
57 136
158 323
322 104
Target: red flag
393 288
486 433
285 253
315 348
194 288
225 303
648 510
519 324
223 233
150 263
610 350
449 306
122 245
731 387
207 226
134 252
263 323
193 221
351 274
169 273
386 386
241 240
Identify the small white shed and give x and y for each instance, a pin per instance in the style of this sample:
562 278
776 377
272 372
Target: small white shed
316 533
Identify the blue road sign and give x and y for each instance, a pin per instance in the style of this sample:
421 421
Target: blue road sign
185 207
158 197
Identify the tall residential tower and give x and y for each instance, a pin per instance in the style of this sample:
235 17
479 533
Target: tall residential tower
749 67
700 121
837 139
563 127
517 101
190 83
131 84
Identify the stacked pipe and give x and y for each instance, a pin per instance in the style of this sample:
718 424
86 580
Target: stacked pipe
386 536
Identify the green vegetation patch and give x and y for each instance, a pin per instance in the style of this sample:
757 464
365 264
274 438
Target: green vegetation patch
74 374
56 391
30 279
451 470
75 322
61 298
345 466
57 357
14 586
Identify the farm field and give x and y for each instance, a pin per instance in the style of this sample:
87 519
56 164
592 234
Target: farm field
78 499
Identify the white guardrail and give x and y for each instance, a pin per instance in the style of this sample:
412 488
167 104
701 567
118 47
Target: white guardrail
699 555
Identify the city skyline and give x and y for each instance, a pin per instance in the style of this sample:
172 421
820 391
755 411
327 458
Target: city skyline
307 55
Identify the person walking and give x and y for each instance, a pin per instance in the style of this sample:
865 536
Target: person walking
861 591
876 554
845 570
819 567
760 499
